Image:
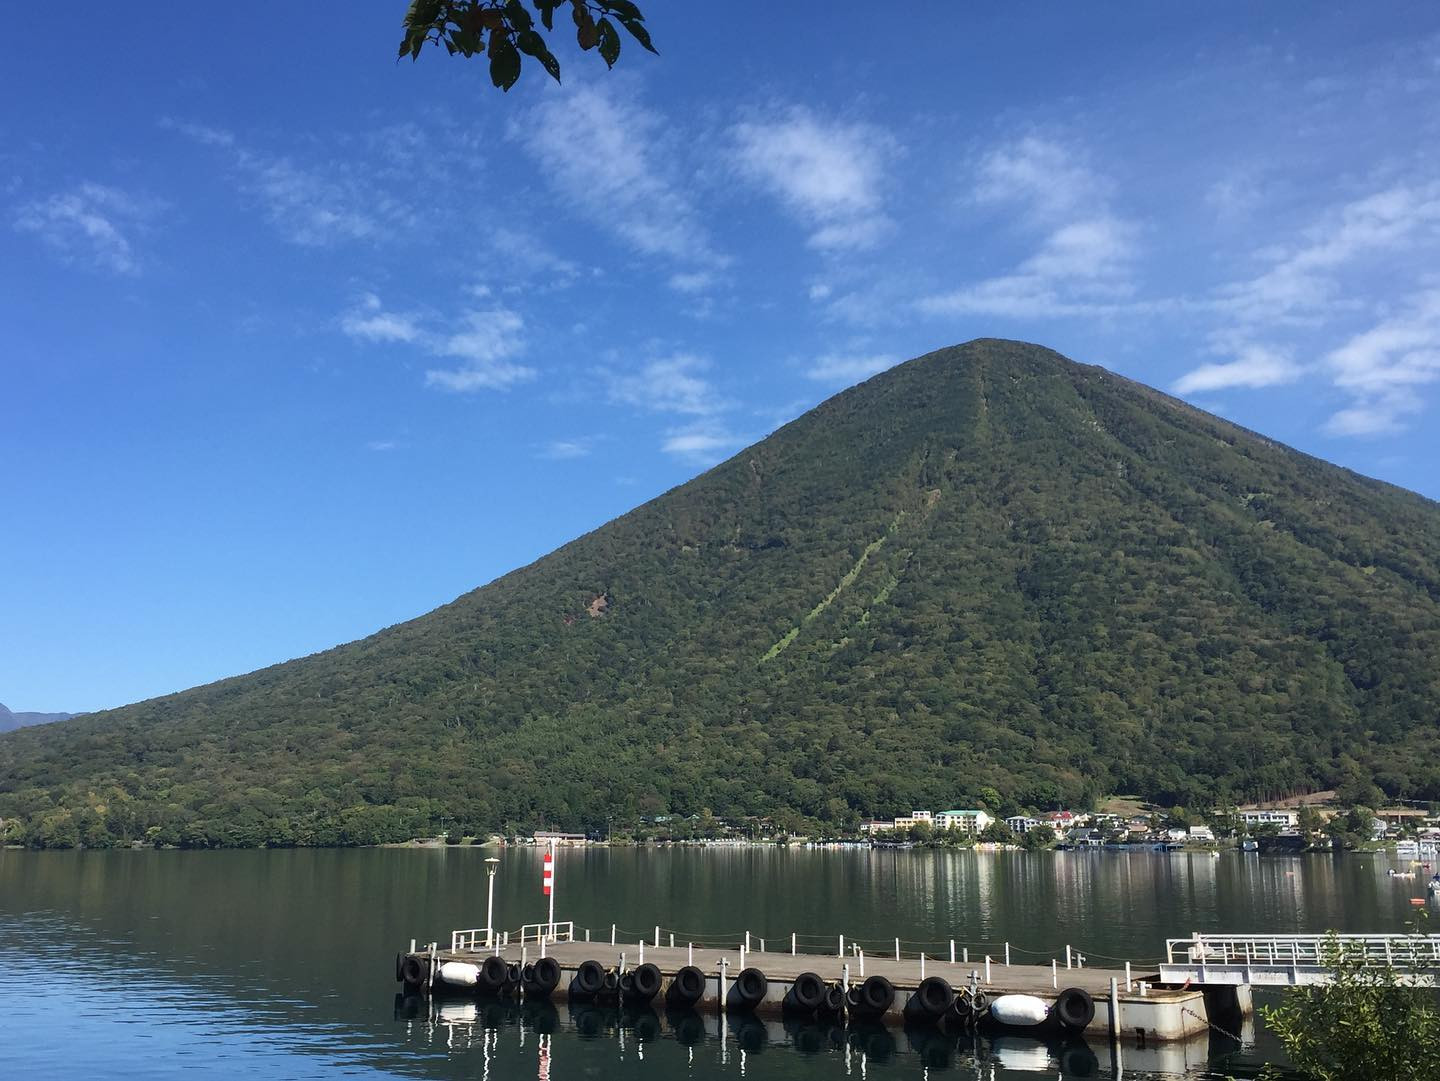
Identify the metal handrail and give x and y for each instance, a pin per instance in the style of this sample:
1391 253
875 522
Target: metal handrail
1303 949
548 932
472 938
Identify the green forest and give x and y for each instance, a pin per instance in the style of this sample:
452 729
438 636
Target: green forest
987 568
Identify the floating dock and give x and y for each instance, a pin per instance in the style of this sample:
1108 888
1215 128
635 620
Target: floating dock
1119 1004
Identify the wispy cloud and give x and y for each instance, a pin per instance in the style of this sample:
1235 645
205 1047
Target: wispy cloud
1383 369
703 442
565 449
311 204
1302 282
1084 262
486 341
612 159
1253 366
371 323
89 225
843 369
675 384
828 174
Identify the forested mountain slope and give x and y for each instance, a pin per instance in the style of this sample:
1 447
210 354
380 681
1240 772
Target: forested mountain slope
989 566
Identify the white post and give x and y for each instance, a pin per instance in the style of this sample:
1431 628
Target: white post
622 962
845 978
1054 973
542 947
612 934
642 951
723 965
587 934
861 954
672 940
897 949
842 947
1114 1010
690 958
490 909
922 967
657 936
525 955
1128 985
792 943
1007 955
412 945
965 954
952 951
762 945
747 941
742 956
1144 989
987 968
1067 956
552 889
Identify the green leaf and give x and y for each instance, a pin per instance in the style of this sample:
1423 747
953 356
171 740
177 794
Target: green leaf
518 16
639 33
504 63
623 8
532 43
547 12
422 13
609 42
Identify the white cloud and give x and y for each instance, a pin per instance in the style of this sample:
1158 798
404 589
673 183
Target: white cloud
1302 284
694 282
1254 366
703 443
312 205
844 369
829 175
670 385
88 225
485 341
1084 263
1048 178
370 322
563 449
1383 368
609 157
381 445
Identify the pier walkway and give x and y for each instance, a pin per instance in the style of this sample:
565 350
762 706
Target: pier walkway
1290 960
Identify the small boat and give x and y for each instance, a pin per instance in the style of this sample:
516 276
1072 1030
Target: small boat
1249 845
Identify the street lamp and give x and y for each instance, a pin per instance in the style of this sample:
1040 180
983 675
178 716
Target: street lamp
490 865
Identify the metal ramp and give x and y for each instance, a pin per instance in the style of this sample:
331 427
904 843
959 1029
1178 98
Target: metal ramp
1290 960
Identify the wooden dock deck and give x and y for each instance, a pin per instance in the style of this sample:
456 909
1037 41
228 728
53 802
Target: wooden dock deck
1145 1012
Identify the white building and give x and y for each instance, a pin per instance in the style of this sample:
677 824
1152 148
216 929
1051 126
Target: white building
971 822
1021 823
1202 834
1283 819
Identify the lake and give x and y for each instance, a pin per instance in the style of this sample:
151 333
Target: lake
281 963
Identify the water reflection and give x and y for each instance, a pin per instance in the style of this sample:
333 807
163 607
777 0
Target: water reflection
233 958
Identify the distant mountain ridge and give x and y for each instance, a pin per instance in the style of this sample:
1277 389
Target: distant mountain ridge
9 720
989 573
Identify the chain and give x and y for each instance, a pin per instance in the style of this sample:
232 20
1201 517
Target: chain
1212 1024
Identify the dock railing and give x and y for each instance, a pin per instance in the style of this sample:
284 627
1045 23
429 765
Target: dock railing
547 932
473 938
1415 951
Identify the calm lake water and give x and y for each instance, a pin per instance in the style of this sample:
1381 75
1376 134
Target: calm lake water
281 964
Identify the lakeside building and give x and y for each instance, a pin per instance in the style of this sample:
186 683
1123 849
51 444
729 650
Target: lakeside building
1022 823
971 822
1283 819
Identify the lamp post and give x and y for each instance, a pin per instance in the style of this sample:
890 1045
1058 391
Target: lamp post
490 866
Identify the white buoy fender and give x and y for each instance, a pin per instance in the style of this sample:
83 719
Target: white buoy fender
458 1013
1019 1009
459 973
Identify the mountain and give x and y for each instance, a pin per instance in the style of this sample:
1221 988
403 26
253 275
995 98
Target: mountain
988 572
10 721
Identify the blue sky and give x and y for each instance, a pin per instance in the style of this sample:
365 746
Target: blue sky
299 342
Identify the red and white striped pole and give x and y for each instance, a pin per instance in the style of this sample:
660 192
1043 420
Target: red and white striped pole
547 881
